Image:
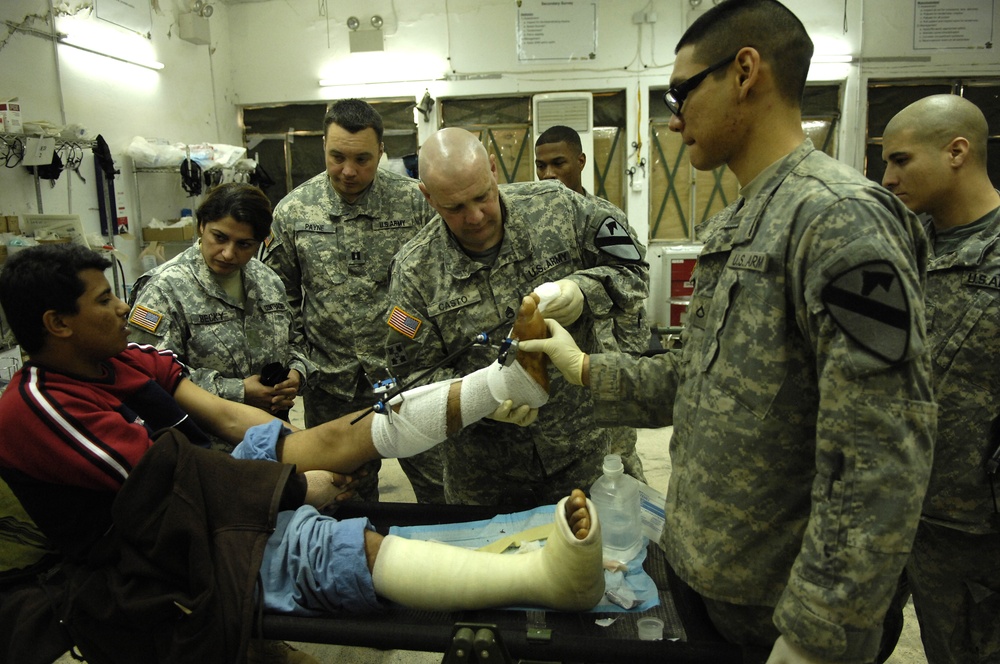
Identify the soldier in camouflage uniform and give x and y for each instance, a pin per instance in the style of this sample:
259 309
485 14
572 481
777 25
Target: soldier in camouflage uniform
221 310
935 154
461 274
802 409
333 238
559 156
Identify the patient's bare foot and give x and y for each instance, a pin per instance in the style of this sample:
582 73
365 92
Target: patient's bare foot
530 325
577 514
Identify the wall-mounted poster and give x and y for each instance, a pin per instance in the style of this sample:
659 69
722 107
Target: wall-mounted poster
953 24
129 14
556 30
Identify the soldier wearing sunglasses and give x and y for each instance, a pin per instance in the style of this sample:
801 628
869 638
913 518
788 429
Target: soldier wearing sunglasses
801 403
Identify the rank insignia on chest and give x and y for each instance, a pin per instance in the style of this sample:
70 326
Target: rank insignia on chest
404 323
145 318
357 257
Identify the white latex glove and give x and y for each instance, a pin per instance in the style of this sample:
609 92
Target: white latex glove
564 306
561 349
786 652
522 416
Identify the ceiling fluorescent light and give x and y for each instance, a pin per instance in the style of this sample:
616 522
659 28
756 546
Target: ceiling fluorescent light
148 64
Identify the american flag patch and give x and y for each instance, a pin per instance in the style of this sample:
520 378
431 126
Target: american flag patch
145 318
404 323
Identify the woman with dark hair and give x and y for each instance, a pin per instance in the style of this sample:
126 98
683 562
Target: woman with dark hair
220 309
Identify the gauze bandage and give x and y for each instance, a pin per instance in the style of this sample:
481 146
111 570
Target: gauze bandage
484 390
566 574
420 424
546 293
422 419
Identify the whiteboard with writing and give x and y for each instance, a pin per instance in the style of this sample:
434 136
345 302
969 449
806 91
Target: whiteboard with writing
953 24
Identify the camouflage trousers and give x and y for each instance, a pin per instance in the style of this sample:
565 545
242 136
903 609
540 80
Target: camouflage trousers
955 580
426 474
320 407
488 473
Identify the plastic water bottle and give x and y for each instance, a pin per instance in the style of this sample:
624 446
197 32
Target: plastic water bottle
616 496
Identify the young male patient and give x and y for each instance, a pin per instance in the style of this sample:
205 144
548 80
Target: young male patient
80 453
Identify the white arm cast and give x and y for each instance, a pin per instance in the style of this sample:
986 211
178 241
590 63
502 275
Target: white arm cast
422 419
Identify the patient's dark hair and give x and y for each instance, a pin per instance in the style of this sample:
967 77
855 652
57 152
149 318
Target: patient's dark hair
37 279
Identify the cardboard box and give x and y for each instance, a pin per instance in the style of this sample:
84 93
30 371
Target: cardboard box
3 224
54 228
13 225
178 234
10 117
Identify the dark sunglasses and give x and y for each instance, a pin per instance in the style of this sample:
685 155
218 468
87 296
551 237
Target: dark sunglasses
675 96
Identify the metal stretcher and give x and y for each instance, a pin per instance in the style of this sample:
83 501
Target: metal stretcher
501 636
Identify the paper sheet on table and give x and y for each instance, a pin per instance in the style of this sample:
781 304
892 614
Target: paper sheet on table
476 534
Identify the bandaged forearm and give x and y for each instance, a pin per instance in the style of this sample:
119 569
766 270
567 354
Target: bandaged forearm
484 390
422 419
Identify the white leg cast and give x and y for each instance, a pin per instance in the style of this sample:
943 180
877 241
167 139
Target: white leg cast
567 574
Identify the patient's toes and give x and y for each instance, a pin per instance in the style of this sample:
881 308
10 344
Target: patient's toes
529 323
577 514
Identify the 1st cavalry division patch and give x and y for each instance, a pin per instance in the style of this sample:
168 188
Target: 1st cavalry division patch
869 304
612 238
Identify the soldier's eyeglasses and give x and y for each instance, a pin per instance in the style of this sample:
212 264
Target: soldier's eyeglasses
675 96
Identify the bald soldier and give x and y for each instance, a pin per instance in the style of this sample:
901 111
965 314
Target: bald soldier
487 247
935 155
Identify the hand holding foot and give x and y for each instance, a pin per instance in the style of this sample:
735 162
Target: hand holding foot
530 325
561 348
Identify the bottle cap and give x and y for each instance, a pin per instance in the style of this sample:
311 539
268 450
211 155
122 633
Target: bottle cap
650 629
613 464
